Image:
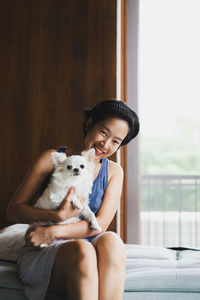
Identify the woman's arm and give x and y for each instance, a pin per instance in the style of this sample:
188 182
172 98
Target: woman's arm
20 209
81 229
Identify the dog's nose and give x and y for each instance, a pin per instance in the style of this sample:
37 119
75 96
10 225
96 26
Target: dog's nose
76 171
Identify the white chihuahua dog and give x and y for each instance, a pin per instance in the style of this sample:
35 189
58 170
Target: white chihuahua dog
76 171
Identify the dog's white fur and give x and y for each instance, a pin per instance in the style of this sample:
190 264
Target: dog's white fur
76 171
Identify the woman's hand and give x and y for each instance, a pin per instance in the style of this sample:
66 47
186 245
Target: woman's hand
67 210
38 236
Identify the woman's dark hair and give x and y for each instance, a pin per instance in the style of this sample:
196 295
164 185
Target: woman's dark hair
111 109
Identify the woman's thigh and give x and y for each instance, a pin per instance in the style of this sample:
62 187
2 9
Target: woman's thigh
72 257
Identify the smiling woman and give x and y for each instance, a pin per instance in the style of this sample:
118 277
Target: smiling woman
80 263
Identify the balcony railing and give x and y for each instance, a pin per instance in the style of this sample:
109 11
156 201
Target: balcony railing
170 210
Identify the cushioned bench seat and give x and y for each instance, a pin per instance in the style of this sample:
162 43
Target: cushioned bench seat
160 273
10 285
152 273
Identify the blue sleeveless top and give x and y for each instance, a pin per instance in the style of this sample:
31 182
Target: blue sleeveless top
98 189
99 186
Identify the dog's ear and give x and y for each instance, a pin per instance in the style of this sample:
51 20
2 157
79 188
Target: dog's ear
89 154
58 158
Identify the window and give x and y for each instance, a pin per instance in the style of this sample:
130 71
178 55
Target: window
169 92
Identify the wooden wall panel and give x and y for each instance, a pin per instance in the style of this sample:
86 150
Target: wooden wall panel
56 58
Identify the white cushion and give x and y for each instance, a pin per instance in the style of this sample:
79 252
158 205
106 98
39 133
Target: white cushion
149 252
12 241
157 269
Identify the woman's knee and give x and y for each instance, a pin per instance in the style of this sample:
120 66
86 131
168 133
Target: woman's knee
111 249
81 258
85 254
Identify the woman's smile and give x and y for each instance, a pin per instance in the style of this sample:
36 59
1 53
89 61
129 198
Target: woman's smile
97 151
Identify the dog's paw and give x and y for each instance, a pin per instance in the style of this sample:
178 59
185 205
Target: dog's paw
79 206
76 204
95 226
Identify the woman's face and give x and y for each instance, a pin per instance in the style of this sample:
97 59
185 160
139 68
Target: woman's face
106 136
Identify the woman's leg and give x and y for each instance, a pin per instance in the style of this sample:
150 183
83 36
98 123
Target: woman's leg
75 271
111 260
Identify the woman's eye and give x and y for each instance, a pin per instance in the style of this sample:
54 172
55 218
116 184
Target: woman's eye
103 132
69 167
116 142
82 166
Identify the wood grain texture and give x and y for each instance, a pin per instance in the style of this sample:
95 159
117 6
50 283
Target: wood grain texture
56 58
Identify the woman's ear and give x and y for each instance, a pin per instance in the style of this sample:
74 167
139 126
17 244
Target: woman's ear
88 125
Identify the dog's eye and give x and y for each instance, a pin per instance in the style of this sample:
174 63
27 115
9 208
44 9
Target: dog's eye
82 166
69 167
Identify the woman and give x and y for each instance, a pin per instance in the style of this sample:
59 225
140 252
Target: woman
78 263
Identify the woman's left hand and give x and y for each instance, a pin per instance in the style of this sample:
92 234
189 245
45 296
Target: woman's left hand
39 236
